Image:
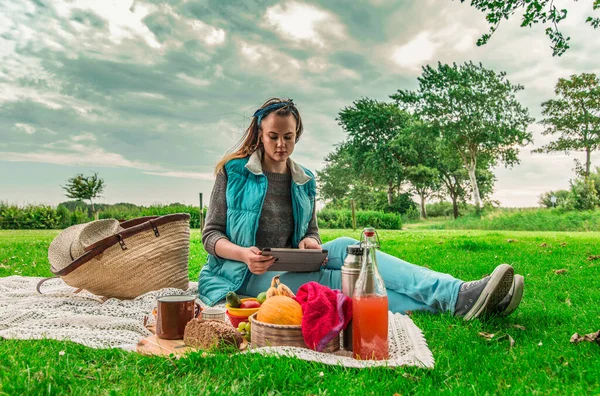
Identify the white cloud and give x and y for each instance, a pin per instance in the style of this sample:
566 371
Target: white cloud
93 157
304 22
28 129
456 36
192 80
250 52
209 34
280 66
219 72
124 17
416 52
379 3
148 95
536 174
317 64
541 76
84 137
184 175
320 65
78 150
350 74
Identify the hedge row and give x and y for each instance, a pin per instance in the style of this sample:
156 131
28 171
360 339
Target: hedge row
123 212
32 217
65 215
329 218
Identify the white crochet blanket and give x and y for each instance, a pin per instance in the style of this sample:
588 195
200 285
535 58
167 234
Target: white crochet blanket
86 319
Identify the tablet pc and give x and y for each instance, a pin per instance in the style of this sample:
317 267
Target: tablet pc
296 260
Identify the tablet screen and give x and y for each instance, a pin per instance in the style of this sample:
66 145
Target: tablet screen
296 260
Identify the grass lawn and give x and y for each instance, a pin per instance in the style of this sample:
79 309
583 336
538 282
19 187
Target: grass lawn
542 360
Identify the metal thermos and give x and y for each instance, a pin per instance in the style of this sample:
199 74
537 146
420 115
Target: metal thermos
350 271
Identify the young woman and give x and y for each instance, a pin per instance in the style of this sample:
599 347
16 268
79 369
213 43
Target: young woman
261 198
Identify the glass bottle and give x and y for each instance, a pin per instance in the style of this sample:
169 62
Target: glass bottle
370 305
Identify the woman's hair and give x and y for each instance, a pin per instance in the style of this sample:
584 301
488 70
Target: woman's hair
251 140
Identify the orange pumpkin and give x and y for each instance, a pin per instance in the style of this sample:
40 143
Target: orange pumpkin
281 310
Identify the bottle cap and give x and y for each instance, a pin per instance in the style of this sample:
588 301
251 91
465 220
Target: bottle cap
356 250
369 231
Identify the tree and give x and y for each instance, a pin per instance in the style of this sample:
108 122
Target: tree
425 182
476 113
84 187
575 115
372 127
534 11
453 176
336 178
418 143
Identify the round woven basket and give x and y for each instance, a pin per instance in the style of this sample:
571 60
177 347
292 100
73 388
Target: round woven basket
266 334
150 254
236 320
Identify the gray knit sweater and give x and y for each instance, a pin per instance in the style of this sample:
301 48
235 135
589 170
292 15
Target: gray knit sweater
276 223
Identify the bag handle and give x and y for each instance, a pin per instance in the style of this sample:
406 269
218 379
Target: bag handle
40 283
137 221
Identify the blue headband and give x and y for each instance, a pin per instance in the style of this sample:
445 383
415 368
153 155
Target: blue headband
261 113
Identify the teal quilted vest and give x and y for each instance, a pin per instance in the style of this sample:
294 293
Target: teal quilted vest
246 191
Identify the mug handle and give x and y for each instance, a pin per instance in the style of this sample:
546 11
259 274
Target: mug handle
153 313
197 310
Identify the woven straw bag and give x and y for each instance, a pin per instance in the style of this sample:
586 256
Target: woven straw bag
124 260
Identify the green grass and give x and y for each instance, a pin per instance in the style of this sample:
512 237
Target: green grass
542 361
529 219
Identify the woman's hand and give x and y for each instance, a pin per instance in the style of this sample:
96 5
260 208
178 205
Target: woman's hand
309 243
256 262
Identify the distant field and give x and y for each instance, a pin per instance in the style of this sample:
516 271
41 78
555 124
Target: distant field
519 220
542 361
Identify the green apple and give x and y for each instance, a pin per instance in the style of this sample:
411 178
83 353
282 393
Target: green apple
261 297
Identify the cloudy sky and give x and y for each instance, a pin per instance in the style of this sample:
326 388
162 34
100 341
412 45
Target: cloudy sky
151 94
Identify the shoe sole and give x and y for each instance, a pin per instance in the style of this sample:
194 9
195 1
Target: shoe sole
496 289
517 296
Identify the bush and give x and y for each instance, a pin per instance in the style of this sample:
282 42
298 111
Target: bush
70 213
562 197
583 195
439 209
29 217
79 216
412 215
558 219
400 204
375 201
64 216
329 218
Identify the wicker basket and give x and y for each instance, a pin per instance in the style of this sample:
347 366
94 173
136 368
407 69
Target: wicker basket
266 334
150 253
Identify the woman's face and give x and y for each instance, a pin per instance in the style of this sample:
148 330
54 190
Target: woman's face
278 136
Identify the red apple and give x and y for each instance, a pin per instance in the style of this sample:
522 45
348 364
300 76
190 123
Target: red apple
250 304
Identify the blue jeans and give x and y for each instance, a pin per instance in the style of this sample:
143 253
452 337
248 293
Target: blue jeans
409 286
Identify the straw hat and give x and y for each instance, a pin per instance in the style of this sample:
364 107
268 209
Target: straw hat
123 260
74 241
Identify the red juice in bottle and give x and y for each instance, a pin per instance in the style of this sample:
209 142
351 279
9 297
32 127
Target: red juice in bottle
370 328
370 306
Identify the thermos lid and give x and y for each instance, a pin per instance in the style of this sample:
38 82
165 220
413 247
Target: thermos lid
355 250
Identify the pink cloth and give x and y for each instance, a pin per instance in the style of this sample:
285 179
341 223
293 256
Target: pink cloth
325 313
